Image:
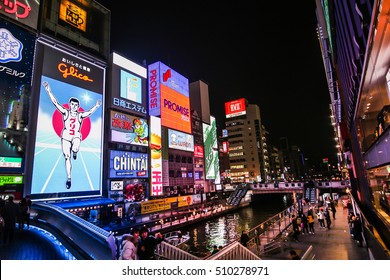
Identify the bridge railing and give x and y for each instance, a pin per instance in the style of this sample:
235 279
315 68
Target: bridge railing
234 251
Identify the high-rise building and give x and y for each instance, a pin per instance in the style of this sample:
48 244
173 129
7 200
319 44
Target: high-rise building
248 151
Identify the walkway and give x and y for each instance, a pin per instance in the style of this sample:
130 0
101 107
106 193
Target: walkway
333 244
34 244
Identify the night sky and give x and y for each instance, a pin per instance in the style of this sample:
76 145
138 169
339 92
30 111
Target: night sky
266 52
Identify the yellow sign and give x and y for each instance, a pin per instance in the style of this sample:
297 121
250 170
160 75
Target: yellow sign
154 206
158 205
73 15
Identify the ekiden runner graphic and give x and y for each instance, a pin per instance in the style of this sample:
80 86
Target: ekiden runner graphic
71 135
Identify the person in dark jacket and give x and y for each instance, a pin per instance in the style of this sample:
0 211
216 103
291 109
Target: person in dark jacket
10 213
147 244
244 238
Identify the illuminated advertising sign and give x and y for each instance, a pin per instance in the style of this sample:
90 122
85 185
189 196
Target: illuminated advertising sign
169 97
22 11
225 146
180 141
116 186
17 48
175 110
156 156
84 24
68 143
73 15
225 133
173 80
235 108
211 150
128 164
131 87
134 190
156 205
11 180
128 85
198 151
129 129
10 162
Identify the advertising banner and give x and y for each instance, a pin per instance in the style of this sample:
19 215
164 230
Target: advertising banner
156 156
129 129
68 146
22 11
169 97
180 141
125 164
235 108
211 150
128 86
16 64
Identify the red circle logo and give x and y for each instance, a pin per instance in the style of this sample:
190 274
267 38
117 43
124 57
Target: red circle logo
58 123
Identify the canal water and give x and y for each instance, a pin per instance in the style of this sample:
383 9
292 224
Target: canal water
222 230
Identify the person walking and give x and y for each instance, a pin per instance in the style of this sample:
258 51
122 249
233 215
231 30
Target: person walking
22 213
295 227
310 221
320 217
327 218
10 214
333 208
147 244
304 224
28 214
244 238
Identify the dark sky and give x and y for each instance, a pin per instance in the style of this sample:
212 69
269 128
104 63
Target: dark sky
265 51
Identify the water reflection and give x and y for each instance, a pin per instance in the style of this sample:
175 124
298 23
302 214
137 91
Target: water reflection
223 230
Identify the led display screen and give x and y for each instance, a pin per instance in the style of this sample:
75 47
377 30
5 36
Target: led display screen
16 64
22 11
129 129
125 164
198 151
73 14
180 141
175 110
131 87
169 97
211 150
156 156
68 142
235 108
128 86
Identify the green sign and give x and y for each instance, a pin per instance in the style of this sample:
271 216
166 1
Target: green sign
10 162
11 180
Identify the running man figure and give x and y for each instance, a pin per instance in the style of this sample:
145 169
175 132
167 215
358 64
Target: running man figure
71 136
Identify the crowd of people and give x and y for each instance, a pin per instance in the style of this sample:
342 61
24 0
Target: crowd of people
303 223
11 215
139 245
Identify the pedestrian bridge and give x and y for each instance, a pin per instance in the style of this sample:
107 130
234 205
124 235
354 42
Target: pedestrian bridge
283 187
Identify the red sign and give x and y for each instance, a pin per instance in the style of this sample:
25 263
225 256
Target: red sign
235 108
198 151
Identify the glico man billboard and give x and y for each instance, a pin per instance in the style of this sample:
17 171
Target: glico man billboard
169 97
67 159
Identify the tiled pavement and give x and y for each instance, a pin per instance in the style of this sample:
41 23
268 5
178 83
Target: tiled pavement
328 244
